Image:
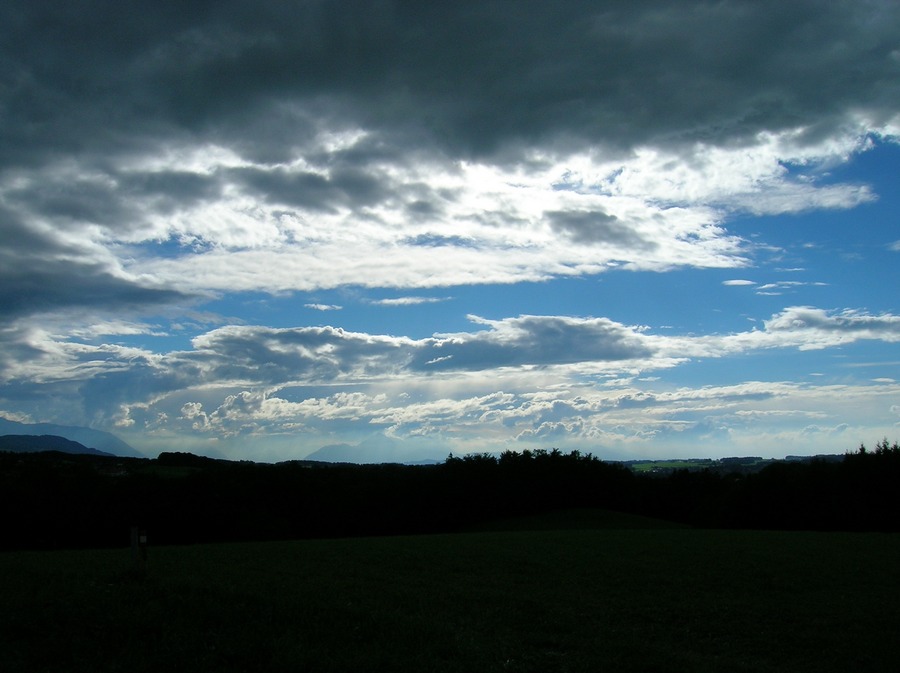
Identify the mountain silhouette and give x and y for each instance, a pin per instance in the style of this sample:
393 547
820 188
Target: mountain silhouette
36 443
104 442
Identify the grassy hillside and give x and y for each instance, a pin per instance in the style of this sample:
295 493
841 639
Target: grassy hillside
64 501
548 600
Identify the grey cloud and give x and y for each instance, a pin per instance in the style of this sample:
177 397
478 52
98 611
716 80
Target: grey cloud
466 78
82 383
80 200
39 272
256 355
311 353
314 190
16 347
556 412
591 227
437 241
91 89
696 430
367 150
637 401
21 240
63 284
171 188
309 190
535 340
680 399
810 318
424 203
136 380
120 202
100 380
421 209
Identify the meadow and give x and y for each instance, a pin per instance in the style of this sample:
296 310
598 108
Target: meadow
581 592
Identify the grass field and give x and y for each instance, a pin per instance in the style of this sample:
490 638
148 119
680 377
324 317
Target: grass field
612 599
651 465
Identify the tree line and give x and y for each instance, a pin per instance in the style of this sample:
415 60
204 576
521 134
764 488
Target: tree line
56 500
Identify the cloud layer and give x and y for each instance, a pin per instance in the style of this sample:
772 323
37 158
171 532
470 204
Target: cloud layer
346 143
551 379
157 158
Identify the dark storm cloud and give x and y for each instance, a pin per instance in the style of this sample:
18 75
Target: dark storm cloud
465 78
590 227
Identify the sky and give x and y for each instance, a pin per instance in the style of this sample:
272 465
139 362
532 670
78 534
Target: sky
391 231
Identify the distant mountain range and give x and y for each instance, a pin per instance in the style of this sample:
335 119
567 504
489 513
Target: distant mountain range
36 443
103 442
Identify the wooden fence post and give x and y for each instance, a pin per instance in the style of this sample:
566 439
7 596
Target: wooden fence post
138 547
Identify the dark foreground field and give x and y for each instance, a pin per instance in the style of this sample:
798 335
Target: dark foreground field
552 600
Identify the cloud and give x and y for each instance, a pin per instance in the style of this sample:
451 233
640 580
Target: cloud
780 287
323 307
467 79
41 273
738 282
263 357
596 227
316 191
312 383
801 327
830 328
113 327
408 301
173 147
534 340
156 157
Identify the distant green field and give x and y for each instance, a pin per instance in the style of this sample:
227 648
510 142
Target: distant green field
651 465
644 466
613 599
